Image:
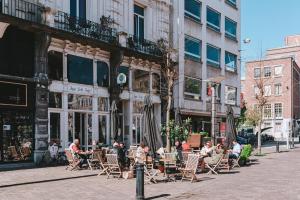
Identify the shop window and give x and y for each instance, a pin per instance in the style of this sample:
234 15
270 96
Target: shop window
16 136
102 74
125 70
103 104
140 81
55 65
80 102
156 83
55 128
55 100
80 70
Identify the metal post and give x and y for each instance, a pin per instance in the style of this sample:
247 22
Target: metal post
213 113
140 181
277 147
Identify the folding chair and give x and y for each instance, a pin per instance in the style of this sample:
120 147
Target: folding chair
150 172
225 162
235 162
103 165
73 162
185 157
170 164
189 171
93 161
113 165
214 167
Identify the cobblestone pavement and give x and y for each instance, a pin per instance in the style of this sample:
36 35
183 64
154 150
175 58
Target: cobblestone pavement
274 176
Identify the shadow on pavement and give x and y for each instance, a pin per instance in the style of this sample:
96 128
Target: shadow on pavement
158 196
46 181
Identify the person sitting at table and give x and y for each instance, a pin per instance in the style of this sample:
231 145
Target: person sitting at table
217 153
235 152
140 153
206 151
178 146
185 146
115 148
78 153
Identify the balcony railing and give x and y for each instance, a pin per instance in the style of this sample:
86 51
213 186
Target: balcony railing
143 45
35 13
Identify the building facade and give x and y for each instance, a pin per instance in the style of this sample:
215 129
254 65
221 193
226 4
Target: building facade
279 73
207 36
60 71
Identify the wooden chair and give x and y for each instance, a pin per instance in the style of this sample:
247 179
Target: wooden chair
73 162
93 161
99 155
214 166
170 164
113 165
189 171
235 162
150 172
13 152
225 164
185 157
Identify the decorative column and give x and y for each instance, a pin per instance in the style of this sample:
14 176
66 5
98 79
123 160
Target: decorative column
42 42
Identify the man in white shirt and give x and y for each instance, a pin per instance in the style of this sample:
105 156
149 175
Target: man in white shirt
236 151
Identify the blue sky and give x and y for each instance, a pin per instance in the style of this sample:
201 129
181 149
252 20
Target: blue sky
266 23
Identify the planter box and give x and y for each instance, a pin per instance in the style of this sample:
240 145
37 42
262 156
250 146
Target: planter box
194 140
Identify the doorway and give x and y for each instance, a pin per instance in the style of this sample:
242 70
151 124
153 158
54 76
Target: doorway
137 128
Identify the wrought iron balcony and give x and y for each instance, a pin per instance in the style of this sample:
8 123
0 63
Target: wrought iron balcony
143 46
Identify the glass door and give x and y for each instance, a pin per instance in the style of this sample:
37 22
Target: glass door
54 128
137 129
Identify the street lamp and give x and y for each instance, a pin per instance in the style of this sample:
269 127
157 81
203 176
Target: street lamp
214 81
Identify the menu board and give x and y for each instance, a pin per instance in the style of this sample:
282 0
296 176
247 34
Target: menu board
13 94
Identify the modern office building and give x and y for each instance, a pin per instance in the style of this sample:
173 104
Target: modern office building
279 73
207 36
60 71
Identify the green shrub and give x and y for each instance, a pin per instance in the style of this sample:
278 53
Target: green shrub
246 152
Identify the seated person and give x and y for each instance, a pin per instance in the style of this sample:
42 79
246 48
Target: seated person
236 151
178 146
216 155
185 146
140 153
115 148
78 153
206 151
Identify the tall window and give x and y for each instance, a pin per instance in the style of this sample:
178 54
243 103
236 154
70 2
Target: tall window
256 90
80 70
192 87
278 110
278 70
192 48
55 65
230 95
267 111
277 127
192 9
278 89
102 74
267 72
230 28
257 73
78 8
139 22
267 90
213 55
213 19
230 61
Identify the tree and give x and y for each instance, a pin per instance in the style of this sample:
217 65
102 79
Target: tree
169 76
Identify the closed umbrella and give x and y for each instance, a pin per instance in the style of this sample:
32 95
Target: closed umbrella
230 127
114 120
152 136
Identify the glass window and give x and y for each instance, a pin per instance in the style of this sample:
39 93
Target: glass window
230 95
55 100
138 22
278 70
267 71
192 9
103 104
277 127
267 90
230 61
55 127
102 74
267 111
267 125
80 70
257 72
78 8
80 102
55 65
140 81
213 19
192 48
102 129
230 28
155 83
231 2
256 90
278 110
213 55
278 89
192 88
125 70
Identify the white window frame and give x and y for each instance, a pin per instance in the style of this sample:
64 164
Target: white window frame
269 108
212 61
211 24
256 90
276 127
200 46
259 73
196 96
278 75
230 34
267 90
280 89
278 117
140 16
266 67
195 16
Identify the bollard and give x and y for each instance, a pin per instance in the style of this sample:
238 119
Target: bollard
140 181
277 146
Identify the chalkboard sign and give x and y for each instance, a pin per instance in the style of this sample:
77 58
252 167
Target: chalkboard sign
13 94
